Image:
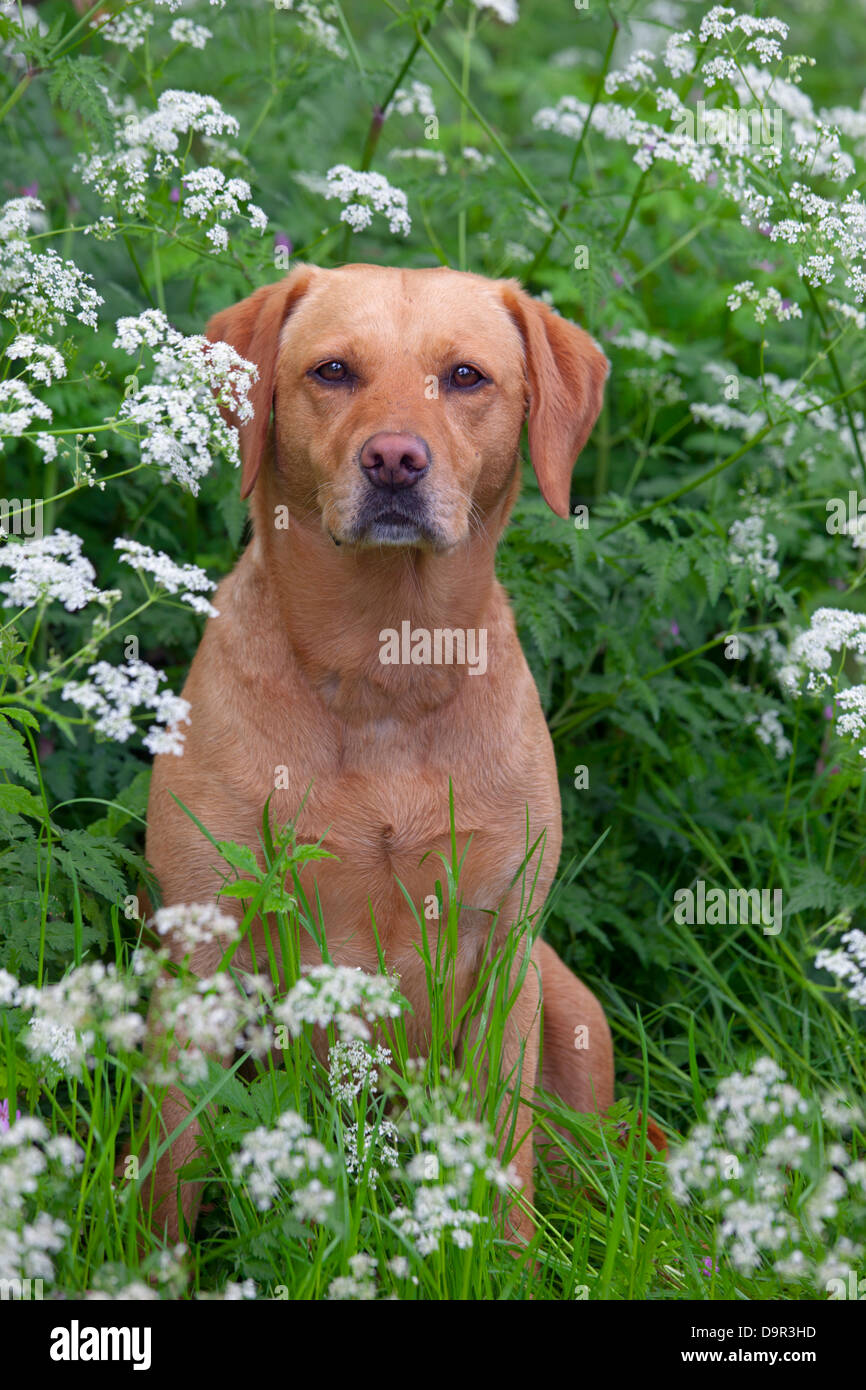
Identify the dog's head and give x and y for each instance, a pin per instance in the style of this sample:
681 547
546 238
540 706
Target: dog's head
399 398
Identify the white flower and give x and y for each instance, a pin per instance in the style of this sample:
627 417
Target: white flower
314 22
379 195
187 580
831 630
195 924
769 730
44 291
284 1153
379 1145
637 72
353 1067
848 965
115 691
752 549
178 412
341 995
638 341
41 360
208 195
418 97
129 30
145 146
184 31
48 567
19 407
504 10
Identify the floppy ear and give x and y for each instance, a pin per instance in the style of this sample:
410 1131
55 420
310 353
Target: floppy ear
252 328
566 371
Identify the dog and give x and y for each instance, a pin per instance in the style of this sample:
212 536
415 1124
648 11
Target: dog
398 399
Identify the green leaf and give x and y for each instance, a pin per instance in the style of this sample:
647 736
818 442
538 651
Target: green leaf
22 802
14 754
241 888
77 85
92 860
240 857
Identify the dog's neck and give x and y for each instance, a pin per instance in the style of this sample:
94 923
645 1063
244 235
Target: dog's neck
353 616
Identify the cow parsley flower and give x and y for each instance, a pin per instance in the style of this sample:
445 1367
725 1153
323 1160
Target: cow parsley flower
754 550
185 31
128 30
18 408
285 1153
364 194
342 995
148 145
114 692
759 1130
505 10
418 97
830 631
769 731
848 965
379 1146
186 580
195 924
354 1067
48 567
208 196
42 361
67 1015
178 411
635 340
359 1285
315 21
44 290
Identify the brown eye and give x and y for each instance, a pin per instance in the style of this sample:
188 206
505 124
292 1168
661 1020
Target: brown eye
465 376
332 371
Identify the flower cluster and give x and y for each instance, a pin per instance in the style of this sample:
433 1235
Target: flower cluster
178 412
362 194
43 290
760 1132
347 998
115 691
830 630
754 550
848 965
353 1067
67 1016
316 21
195 924
48 567
186 580
148 147
30 1159
736 148
215 1015
285 1153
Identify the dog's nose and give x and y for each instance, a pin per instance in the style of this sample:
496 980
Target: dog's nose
395 461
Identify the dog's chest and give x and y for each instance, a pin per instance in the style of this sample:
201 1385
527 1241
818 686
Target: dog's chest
400 823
